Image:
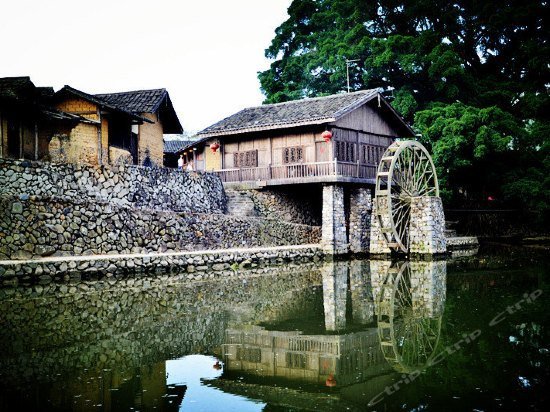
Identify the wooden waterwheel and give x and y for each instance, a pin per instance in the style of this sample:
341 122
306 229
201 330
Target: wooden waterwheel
406 170
408 337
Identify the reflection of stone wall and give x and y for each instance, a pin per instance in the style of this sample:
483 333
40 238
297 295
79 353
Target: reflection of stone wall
123 324
428 286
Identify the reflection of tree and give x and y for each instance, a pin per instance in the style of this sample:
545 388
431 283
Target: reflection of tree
409 311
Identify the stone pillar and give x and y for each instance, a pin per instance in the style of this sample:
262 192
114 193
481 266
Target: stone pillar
427 228
334 236
335 289
360 207
378 244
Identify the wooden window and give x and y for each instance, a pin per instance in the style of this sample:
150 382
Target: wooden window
345 151
245 159
293 154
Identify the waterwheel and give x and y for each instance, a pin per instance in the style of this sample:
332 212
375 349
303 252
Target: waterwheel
406 170
408 337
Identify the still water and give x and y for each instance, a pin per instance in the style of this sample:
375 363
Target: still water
468 334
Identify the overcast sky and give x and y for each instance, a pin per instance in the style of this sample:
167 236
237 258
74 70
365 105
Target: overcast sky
206 53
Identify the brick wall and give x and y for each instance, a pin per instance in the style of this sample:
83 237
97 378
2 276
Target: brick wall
150 141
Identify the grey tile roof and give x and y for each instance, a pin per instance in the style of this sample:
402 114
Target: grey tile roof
289 114
138 101
19 89
174 146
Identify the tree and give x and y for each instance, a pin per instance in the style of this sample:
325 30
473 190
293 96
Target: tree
472 77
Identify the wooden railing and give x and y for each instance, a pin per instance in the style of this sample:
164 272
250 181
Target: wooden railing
298 171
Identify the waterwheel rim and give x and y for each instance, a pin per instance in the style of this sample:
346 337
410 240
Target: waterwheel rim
406 170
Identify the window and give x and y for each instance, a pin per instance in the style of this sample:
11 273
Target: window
345 151
246 159
293 154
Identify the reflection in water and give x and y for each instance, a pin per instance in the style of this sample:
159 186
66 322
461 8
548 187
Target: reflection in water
409 308
280 333
410 300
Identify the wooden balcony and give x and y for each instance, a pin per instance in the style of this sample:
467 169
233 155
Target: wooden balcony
299 173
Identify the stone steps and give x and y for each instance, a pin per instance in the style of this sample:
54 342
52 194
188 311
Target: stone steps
240 204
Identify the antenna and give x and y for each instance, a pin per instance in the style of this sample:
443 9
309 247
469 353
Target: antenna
348 62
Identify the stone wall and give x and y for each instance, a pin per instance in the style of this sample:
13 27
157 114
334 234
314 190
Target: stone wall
37 228
142 187
300 205
427 227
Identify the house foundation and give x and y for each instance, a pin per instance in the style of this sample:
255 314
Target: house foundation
359 220
427 228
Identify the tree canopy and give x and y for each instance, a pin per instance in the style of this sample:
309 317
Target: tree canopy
472 77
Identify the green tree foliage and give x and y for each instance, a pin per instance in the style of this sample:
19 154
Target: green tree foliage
472 77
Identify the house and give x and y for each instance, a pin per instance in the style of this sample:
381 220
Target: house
27 120
311 161
286 143
172 149
156 106
104 136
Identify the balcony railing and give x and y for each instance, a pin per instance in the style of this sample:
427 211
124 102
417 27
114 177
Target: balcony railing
299 171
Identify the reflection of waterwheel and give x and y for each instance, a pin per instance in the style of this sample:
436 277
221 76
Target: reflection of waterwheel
406 170
408 338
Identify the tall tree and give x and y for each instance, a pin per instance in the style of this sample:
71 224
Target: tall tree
472 77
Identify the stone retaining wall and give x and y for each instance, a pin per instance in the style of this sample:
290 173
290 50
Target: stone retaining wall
142 187
196 265
38 228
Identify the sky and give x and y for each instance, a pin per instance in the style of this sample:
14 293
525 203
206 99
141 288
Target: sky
206 53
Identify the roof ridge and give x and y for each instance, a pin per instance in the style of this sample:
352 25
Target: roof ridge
309 99
132 91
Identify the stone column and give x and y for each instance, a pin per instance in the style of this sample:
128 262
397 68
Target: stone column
335 289
427 228
359 220
334 236
428 284
378 244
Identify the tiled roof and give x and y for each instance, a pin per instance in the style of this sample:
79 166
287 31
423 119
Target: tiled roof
289 114
138 101
100 102
17 88
174 146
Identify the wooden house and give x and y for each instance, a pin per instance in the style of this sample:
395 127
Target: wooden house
156 106
288 143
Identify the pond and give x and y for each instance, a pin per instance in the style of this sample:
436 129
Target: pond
463 334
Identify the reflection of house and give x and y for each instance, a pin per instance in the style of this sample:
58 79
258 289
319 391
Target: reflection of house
304 357
283 143
156 106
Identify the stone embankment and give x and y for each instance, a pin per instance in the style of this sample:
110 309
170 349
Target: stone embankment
197 265
52 210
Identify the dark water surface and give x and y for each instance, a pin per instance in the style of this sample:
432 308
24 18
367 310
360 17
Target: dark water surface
466 335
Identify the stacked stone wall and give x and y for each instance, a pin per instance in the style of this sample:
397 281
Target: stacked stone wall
37 228
141 187
291 205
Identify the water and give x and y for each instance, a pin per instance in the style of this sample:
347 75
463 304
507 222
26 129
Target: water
354 335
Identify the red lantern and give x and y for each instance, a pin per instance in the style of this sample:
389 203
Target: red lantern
215 146
327 135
